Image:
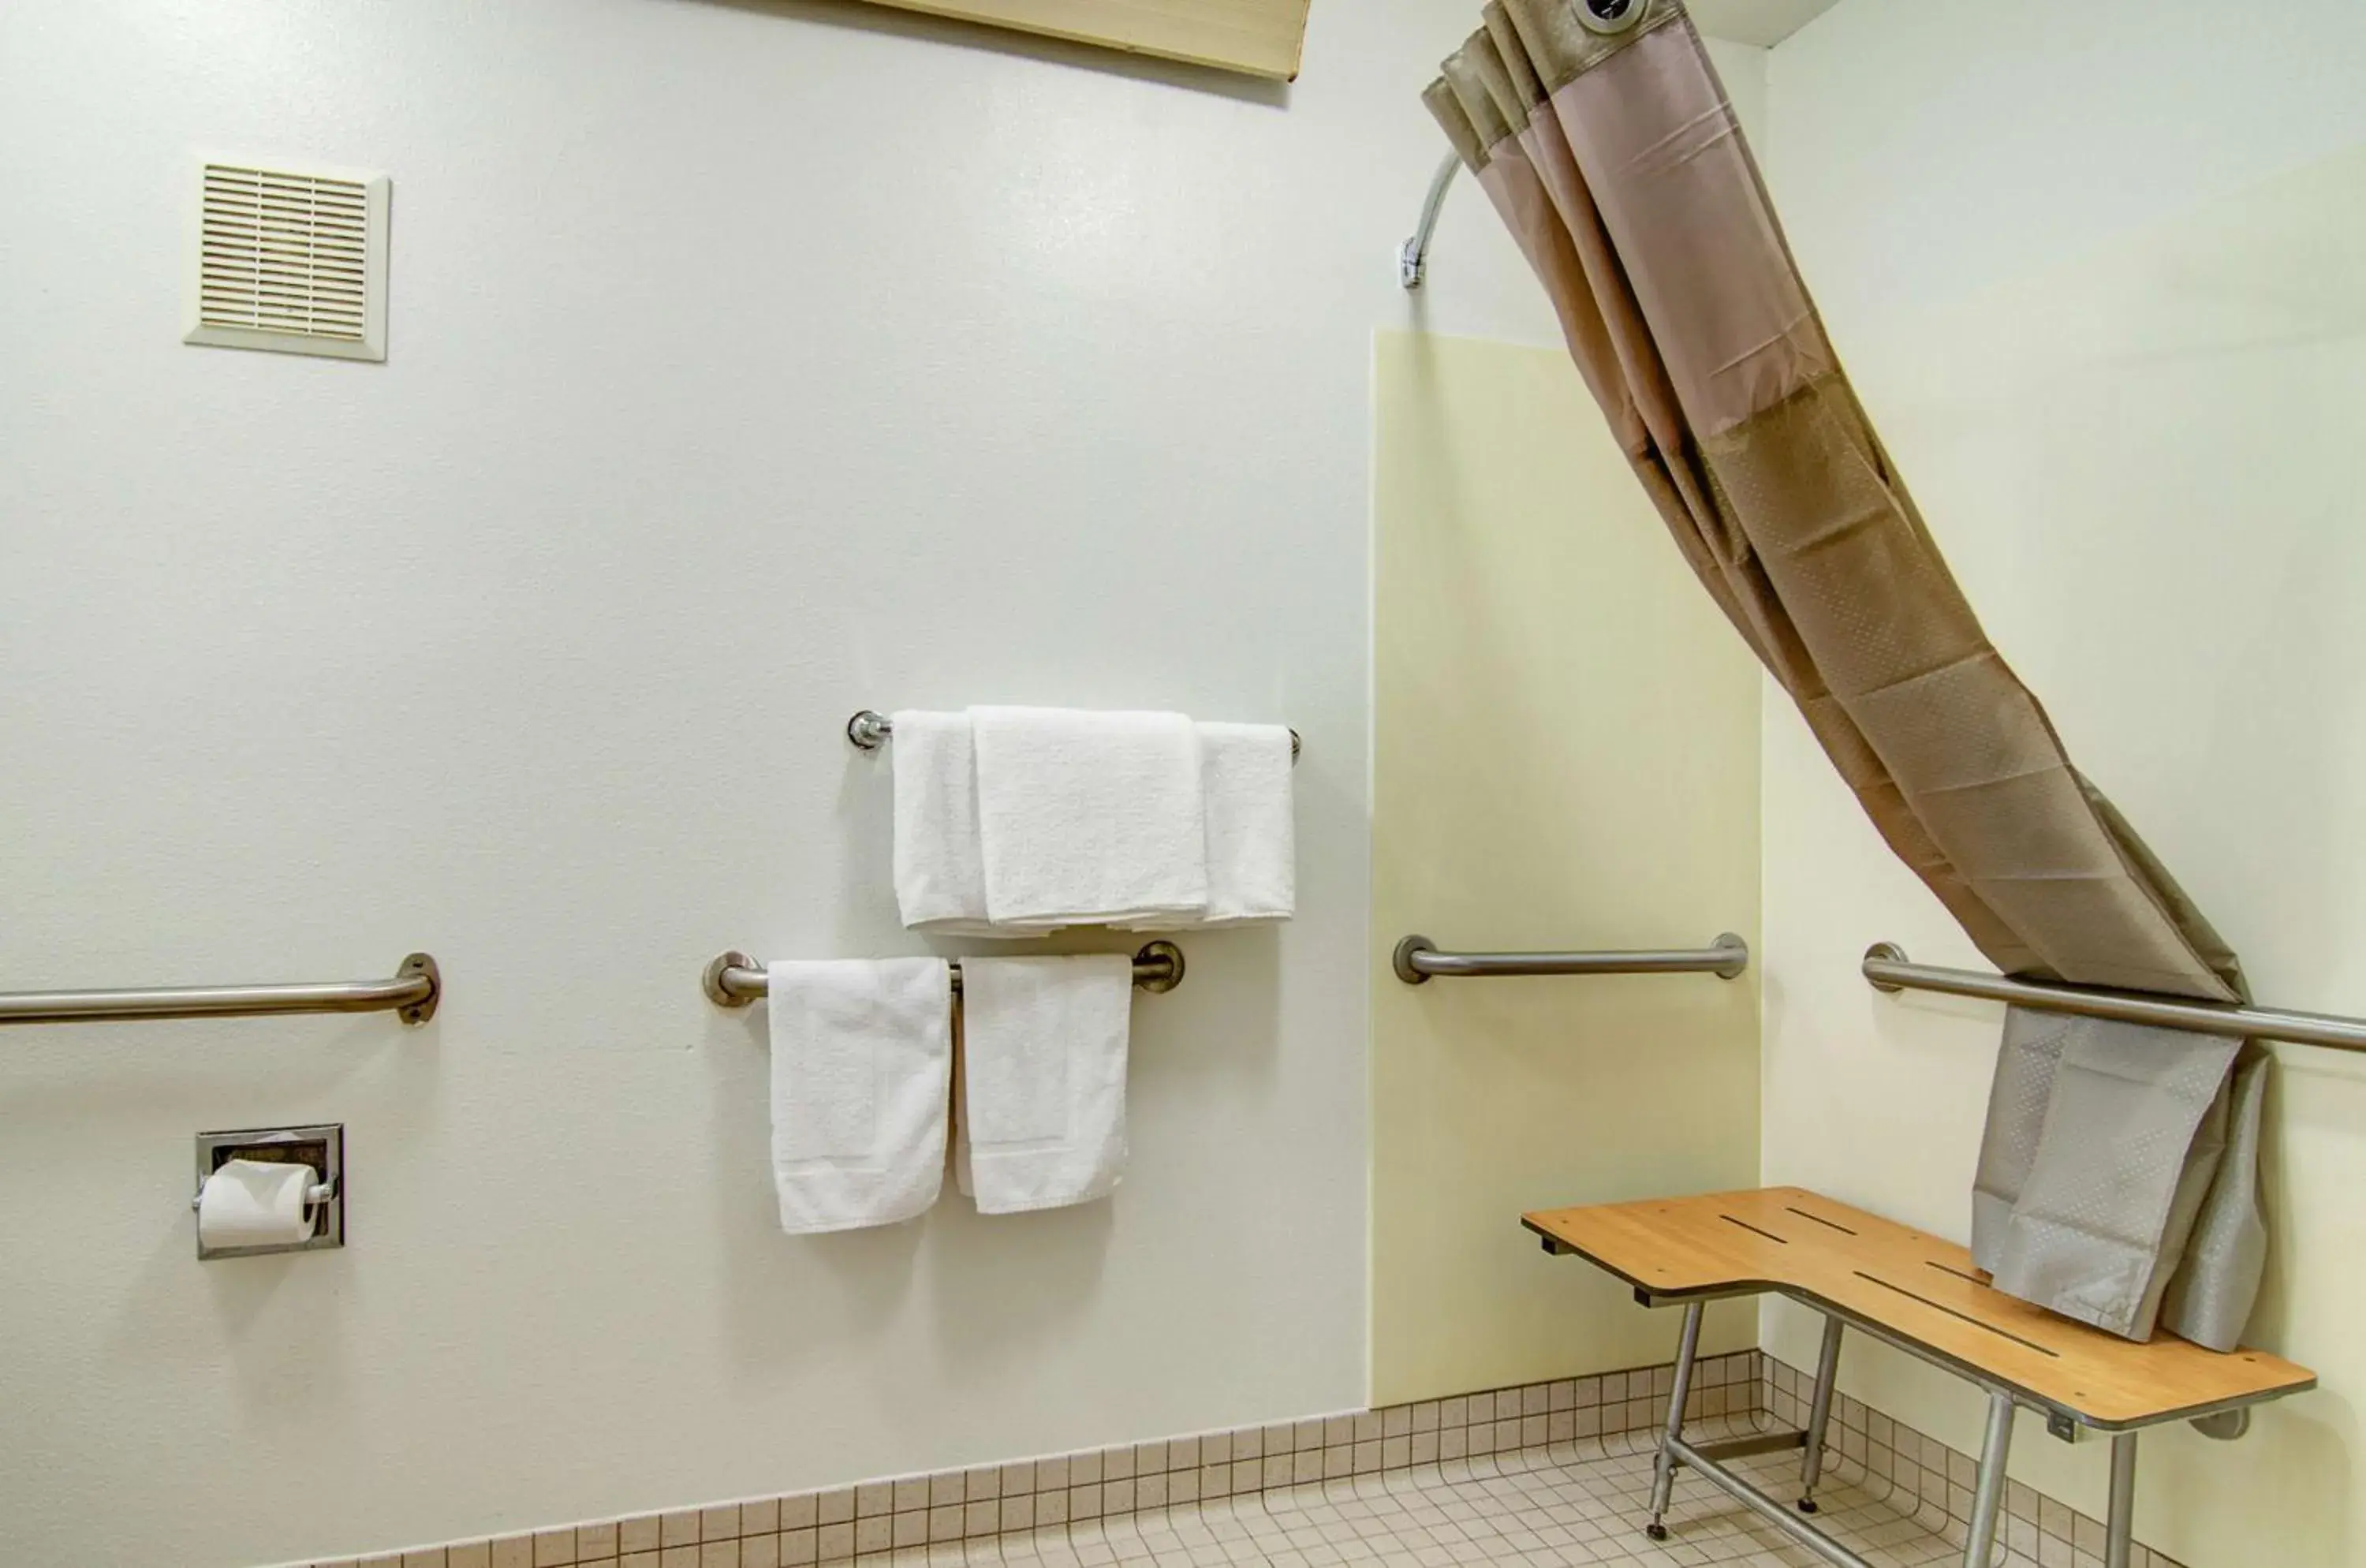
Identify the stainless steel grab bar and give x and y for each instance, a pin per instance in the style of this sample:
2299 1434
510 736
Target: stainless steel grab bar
416 989
1417 960
1887 968
734 979
868 731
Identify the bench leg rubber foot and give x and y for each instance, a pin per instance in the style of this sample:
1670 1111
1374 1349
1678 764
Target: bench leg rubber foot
1807 1504
1657 1532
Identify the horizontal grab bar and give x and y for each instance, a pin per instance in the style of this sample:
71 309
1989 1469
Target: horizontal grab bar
416 989
868 731
1417 960
1887 968
734 979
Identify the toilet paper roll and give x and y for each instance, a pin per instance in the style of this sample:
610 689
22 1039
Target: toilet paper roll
249 1202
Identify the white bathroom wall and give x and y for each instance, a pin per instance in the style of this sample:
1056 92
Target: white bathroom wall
749 364
2100 272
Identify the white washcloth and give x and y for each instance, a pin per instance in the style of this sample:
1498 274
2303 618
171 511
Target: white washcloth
1089 818
861 1063
1252 837
1043 1049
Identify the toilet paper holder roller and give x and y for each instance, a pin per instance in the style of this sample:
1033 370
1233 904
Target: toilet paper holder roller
319 1192
323 1147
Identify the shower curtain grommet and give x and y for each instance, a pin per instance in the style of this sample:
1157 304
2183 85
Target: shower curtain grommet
1611 17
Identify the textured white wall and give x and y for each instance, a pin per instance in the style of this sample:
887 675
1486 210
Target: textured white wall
2101 270
749 364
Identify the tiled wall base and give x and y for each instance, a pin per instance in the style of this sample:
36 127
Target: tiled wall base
881 1516
1910 1471
1932 1483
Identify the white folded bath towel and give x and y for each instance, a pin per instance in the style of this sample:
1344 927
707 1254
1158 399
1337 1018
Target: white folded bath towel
1043 1049
1089 818
861 1063
940 882
1245 771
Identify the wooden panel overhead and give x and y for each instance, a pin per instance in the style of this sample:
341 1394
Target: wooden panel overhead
1259 37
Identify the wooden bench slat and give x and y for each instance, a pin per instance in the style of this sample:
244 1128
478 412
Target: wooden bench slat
1916 1287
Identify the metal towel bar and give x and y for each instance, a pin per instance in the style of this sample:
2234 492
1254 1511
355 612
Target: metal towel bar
868 731
1887 968
416 989
734 979
1417 960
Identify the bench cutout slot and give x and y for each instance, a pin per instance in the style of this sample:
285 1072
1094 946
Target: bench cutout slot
1753 1230
1951 1311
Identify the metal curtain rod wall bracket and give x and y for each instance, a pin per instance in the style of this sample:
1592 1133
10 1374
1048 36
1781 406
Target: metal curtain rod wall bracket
1417 960
1885 967
1412 257
416 989
734 979
868 731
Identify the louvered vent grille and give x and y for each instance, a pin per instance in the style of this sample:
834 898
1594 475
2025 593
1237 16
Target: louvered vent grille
284 253
289 259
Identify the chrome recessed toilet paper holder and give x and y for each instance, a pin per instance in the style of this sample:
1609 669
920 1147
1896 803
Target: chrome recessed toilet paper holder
323 1147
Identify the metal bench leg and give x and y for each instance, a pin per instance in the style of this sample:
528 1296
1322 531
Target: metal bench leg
1819 1415
1663 1473
1989 1498
2119 1533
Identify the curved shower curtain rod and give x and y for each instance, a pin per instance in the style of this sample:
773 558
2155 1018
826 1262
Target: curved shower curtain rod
1412 257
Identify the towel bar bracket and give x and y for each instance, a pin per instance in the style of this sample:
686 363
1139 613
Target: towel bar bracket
1158 968
421 966
713 981
1885 952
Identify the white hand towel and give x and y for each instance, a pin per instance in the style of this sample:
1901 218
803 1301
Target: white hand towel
1043 1046
1089 818
1245 771
861 1064
939 883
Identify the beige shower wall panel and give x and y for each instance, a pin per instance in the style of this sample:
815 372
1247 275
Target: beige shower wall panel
1566 756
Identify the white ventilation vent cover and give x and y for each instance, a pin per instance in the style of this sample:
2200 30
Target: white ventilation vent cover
291 259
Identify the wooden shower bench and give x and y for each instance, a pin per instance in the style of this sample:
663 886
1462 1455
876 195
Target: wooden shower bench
1923 1296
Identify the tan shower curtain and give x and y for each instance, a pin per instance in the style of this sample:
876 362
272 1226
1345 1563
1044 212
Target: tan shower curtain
2113 1154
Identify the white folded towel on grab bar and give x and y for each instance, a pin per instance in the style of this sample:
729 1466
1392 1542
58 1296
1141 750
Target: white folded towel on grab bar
1091 815
862 1068
1089 818
1043 1064
939 879
1245 771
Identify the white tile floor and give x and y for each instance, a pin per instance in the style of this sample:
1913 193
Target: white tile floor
1553 1507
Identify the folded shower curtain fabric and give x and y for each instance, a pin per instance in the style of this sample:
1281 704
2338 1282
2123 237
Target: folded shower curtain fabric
2118 1178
